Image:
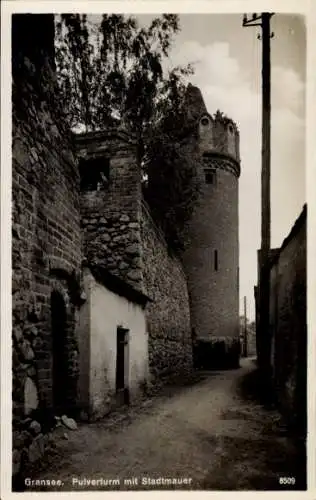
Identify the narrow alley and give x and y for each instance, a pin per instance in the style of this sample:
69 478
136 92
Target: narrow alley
212 435
130 251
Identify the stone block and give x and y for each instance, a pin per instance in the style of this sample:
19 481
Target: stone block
17 332
106 238
19 311
34 453
34 311
26 350
124 218
132 249
16 461
116 217
21 439
117 238
34 154
69 422
37 343
17 442
134 275
30 396
25 423
30 331
35 427
55 132
134 237
40 440
36 449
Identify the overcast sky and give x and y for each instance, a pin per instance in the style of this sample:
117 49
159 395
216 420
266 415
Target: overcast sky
227 61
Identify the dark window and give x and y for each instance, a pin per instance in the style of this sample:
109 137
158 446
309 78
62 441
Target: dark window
215 260
121 345
94 173
122 363
210 177
205 122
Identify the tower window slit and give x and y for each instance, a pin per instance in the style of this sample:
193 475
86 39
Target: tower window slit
210 177
215 260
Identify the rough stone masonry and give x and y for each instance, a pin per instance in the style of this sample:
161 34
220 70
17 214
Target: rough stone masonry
120 234
46 243
57 223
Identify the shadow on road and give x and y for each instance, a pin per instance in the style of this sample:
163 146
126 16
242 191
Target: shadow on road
292 462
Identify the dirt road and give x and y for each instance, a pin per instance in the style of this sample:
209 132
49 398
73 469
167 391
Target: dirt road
211 435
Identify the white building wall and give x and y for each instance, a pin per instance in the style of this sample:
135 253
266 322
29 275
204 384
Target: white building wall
108 311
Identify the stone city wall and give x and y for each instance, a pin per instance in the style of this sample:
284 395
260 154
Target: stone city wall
168 315
288 323
46 245
111 215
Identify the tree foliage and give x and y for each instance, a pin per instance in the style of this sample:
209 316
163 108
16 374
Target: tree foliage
172 188
114 71
172 173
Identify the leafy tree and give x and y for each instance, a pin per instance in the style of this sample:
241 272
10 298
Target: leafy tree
113 69
113 73
172 178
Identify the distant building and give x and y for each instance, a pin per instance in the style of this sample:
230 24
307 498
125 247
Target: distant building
247 337
286 340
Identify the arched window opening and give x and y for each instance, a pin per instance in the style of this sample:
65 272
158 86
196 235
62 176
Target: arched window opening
230 129
205 121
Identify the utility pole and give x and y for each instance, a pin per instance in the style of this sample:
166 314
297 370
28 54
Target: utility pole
263 21
245 329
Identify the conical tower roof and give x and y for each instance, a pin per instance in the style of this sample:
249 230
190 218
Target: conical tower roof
194 103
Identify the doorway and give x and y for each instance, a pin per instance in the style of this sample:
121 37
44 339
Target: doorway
60 356
122 365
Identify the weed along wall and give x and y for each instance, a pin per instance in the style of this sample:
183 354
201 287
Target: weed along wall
168 315
113 344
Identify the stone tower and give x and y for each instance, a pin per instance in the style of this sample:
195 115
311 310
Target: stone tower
211 255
